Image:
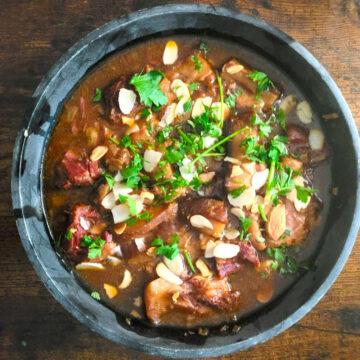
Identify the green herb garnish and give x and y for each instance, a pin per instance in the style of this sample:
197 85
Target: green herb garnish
194 86
204 48
95 295
187 106
169 251
230 100
187 257
197 62
262 80
147 85
109 179
94 246
98 95
237 192
264 127
131 172
303 193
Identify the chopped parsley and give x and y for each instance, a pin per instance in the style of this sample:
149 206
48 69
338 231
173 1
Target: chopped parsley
130 201
163 134
69 234
145 215
95 295
98 95
197 62
230 100
303 193
187 106
194 86
245 223
237 192
170 251
131 172
264 127
174 155
145 113
147 85
187 257
94 246
109 179
262 80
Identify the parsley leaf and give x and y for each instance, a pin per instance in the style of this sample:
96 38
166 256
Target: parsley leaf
303 193
262 80
230 100
264 127
170 251
173 155
147 85
197 62
145 215
194 86
145 113
187 106
237 192
95 295
109 179
94 246
245 223
282 262
98 95
131 172
130 201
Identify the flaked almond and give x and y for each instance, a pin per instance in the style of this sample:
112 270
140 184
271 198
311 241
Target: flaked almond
151 251
129 121
231 233
259 179
120 213
276 224
109 201
316 139
170 54
234 69
119 228
225 250
89 266
206 177
111 291
98 152
169 115
236 171
199 106
203 268
304 112
180 89
239 213
132 129
117 251
140 244
232 160
85 224
151 159
165 273
126 100
113 260
147 197
245 199
201 222
176 265
209 250
288 104
127 279
249 167
121 189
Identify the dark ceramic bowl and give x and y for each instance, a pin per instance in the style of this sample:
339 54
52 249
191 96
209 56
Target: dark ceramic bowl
338 234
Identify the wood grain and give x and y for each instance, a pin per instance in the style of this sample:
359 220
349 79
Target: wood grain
33 35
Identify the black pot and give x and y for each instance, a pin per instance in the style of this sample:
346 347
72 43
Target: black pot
339 232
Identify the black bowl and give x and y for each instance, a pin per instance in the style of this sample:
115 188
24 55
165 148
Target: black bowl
338 235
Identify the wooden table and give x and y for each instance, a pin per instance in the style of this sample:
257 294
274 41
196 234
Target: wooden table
33 35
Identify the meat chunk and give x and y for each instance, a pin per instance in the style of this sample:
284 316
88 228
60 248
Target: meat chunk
249 253
83 219
298 140
159 215
226 267
80 171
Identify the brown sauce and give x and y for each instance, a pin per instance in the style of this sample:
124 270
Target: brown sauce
255 287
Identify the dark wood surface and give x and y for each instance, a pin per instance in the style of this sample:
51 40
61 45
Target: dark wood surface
33 35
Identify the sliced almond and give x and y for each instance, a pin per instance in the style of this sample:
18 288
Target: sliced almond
225 250
89 266
98 152
276 224
201 222
239 213
199 105
288 104
127 279
151 159
206 177
132 129
109 201
180 89
176 265
111 291
245 199
209 250
121 189
170 54
126 100
129 121
140 244
232 160
236 170
165 273
316 139
114 261
119 228
234 69
120 213
84 223
169 115
231 234
147 197
304 112
259 179
203 268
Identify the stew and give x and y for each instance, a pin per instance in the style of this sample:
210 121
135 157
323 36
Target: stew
179 182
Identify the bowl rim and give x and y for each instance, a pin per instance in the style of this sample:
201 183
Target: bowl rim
301 52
